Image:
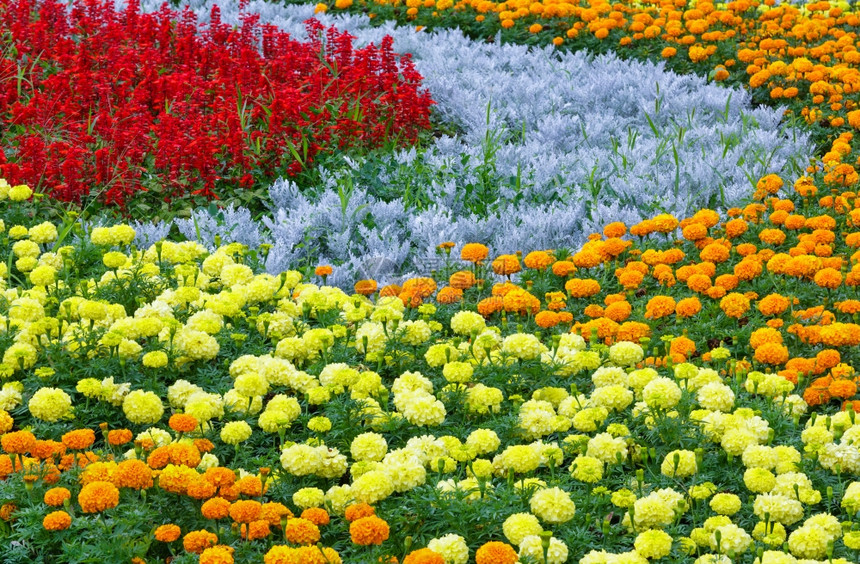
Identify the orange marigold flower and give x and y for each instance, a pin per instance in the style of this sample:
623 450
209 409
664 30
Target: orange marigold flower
770 184
198 541
495 552
315 555
735 305
727 282
369 530
748 269
357 511
365 287
827 359
842 389
323 270
772 353
772 236
706 217
503 289
618 311
462 279
423 556
630 279
736 227
182 422
98 496
280 554
474 252
659 306
423 287
816 396
489 306
715 253
301 531
79 439
520 301
316 515
250 486
258 529
694 232
586 259
772 304
615 246
615 229
273 512
582 288
505 265
390 291
746 249
44 450
765 335
55 497
633 331
19 442
563 268
699 282
57 521
220 554
119 437
159 458
565 317
7 510
184 454
216 508
133 474
593 311
829 278
449 295
220 476
245 511
410 298
200 489
688 307
538 260
168 533
848 306
546 319
682 346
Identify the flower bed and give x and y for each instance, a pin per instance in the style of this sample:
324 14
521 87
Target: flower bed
293 412
672 384
801 55
122 107
535 159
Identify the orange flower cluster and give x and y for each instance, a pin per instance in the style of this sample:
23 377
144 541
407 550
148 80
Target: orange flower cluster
777 286
368 530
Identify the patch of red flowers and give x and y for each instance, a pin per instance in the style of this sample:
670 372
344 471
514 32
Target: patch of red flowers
101 104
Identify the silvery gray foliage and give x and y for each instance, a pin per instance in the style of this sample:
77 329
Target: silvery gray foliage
147 232
597 128
229 224
550 147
